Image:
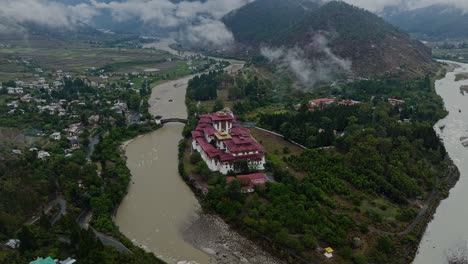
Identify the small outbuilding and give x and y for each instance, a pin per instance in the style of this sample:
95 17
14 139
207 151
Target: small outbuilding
328 252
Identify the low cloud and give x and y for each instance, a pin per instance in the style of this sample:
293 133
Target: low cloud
14 13
309 72
207 32
196 21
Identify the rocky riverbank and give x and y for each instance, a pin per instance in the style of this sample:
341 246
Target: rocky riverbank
212 235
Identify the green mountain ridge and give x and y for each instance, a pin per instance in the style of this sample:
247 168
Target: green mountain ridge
432 22
374 46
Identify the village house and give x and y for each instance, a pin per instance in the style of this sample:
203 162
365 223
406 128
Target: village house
93 119
13 104
74 142
74 129
56 136
120 107
394 101
222 142
27 98
348 102
40 101
320 104
14 111
49 260
249 181
42 154
16 152
13 243
67 261
57 84
13 91
328 252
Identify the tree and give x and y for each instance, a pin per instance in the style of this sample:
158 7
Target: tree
28 240
219 105
134 102
241 166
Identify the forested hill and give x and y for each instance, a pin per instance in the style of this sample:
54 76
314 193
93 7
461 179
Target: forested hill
433 22
374 46
263 20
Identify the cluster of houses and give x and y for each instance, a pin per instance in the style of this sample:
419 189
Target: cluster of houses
222 142
322 103
16 243
50 260
25 98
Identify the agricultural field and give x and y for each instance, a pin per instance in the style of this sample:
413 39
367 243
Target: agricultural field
460 55
20 59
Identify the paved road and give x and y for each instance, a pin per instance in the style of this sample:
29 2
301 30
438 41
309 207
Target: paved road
94 140
83 220
110 241
63 209
57 201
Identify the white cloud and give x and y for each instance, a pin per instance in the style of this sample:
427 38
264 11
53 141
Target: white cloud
13 13
208 31
196 21
309 72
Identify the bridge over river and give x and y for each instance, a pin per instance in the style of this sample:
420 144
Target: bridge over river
170 120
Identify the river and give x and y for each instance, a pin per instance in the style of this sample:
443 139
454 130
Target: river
160 213
448 231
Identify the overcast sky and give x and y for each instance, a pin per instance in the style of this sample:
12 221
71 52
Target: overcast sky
162 12
378 5
197 21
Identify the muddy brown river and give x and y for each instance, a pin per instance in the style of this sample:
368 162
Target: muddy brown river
159 205
446 236
160 213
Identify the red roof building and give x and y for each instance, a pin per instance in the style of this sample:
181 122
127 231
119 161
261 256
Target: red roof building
249 181
221 141
395 101
349 102
320 103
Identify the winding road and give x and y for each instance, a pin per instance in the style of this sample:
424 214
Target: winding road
83 220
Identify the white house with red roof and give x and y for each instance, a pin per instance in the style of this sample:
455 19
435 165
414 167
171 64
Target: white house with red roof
349 102
221 142
249 181
320 103
394 101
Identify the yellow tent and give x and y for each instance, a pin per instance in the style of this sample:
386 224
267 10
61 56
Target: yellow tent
329 250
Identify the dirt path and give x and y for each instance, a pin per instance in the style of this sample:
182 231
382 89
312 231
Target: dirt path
418 218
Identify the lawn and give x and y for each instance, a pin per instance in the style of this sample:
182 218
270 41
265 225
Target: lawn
384 208
277 148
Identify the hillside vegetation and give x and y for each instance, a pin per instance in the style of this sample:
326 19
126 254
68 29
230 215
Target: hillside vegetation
374 46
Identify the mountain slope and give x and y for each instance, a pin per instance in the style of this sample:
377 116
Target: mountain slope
436 21
263 20
374 46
